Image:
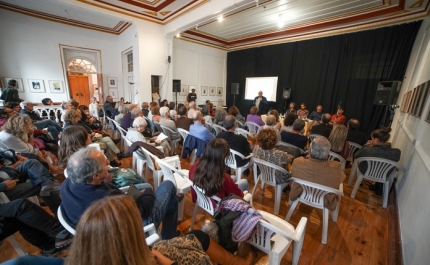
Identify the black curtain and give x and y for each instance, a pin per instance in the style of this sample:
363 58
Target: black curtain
344 68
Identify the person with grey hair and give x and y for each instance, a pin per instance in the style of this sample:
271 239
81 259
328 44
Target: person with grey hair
192 106
295 137
236 142
87 170
122 110
323 128
271 124
65 107
166 121
220 115
127 120
198 129
318 170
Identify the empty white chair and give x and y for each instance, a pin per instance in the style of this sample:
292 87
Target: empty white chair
267 176
275 236
252 126
231 163
138 161
379 170
353 147
184 133
179 178
333 156
313 195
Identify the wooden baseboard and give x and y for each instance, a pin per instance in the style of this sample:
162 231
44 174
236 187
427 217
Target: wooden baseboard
394 256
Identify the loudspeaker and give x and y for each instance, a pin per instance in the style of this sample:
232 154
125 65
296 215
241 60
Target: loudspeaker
176 85
287 93
387 93
235 88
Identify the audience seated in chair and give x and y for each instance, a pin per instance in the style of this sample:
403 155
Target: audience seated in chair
166 121
198 129
254 117
271 124
354 135
183 121
318 170
323 128
295 137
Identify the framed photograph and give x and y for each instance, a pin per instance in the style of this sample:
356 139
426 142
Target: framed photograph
212 91
219 91
424 95
408 101
183 91
112 82
36 85
56 86
204 90
114 93
19 85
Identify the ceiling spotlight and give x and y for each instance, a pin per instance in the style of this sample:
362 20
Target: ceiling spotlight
178 35
281 21
256 2
197 27
220 18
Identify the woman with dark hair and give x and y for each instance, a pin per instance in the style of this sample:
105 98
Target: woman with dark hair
265 150
288 122
233 110
73 138
209 173
378 147
254 117
278 120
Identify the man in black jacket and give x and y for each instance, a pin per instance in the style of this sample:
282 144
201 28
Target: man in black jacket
324 127
260 102
354 135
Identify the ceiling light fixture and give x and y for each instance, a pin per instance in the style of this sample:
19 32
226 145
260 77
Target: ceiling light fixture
256 2
220 18
178 35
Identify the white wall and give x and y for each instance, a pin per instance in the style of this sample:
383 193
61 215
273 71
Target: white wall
199 65
410 135
30 50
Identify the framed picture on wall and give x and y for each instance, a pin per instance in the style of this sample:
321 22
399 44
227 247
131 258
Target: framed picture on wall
19 85
56 86
183 90
424 95
112 82
219 91
114 93
36 85
204 90
408 100
212 91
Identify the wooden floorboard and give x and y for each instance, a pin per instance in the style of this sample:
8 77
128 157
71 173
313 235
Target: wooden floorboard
359 237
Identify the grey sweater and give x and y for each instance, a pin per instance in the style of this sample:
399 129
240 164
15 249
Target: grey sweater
381 151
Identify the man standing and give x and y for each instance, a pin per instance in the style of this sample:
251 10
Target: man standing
10 94
52 126
324 127
87 169
198 129
183 121
318 170
316 114
192 96
354 135
338 118
260 102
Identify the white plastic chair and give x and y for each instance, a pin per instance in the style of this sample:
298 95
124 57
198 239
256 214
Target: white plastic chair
208 118
244 133
11 238
217 128
313 195
267 176
275 236
169 133
239 124
252 126
158 174
333 156
312 136
179 178
139 160
301 151
184 133
378 170
230 161
353 147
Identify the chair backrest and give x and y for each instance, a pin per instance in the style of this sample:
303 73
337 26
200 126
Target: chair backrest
336 157
252 126
244 133
184 133
239 124
167 170
64 223
167 131
157 125
311 137
208 118
230 161
268 170
379 168
353 147
204 201
264 230
291 149
313 194
149 161
217 128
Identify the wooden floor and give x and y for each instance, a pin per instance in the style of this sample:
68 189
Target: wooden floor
360 235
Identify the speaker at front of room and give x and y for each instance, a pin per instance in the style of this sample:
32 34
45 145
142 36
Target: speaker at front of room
176 85
387 93
235 88
286 94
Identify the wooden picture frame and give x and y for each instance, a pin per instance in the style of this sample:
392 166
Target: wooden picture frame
204 90
114 93
424 95
19 86
36 85
408 100
212 91
112 82
56 86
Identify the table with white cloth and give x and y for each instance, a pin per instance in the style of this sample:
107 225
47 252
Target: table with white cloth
306 130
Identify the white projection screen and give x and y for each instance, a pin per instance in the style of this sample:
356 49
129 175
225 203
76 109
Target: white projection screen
269 86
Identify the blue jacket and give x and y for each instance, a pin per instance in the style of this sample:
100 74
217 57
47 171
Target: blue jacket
192 142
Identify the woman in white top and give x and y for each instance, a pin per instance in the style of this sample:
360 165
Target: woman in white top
94 108
17 134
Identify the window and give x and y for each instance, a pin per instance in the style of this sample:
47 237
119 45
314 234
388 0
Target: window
79 66
130 62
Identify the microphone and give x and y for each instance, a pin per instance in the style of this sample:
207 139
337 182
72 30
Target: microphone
340 103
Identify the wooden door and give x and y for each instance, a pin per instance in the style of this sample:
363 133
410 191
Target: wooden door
79 89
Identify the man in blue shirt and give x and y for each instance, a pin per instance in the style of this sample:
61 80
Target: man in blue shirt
198 129
316 114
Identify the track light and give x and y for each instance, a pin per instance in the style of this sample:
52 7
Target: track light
220 18
178 35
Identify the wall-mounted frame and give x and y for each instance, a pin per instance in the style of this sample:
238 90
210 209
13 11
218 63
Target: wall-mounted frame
112 82
424 95
212 91
204 90
183 91
403 106
114 93
36 85
56 86
411 102
408 101
219 91
19 86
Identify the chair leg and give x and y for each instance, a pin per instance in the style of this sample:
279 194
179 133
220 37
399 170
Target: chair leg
386 191
16 246
335 213
274 258
253 191
292 207
356 186
325 226
239 173
181 210
196 208
297 249
278 192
